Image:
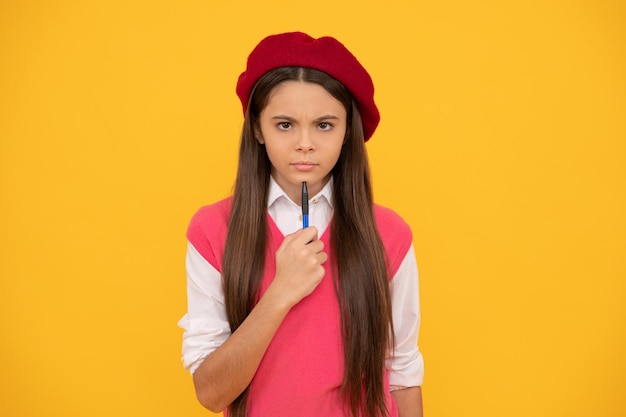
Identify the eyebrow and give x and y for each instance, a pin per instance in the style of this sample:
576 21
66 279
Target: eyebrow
319 119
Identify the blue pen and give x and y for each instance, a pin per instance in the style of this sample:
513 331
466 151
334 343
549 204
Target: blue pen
305 206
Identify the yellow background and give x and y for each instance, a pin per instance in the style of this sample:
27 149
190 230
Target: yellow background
502 143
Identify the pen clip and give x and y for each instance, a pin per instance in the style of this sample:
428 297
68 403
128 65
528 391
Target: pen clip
305 206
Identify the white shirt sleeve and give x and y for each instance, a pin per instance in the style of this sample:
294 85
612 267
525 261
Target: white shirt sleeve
206 324
406 366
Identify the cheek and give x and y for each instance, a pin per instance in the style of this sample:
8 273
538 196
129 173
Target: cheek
276 154
333 152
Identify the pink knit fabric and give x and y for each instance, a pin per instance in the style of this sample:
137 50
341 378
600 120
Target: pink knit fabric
302 370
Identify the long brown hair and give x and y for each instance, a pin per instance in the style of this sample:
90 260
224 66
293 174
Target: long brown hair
359 273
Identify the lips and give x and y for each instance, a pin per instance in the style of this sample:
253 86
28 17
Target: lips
304 165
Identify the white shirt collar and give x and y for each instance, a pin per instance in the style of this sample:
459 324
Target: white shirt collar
276 192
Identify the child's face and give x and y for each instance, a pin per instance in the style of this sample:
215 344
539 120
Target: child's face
303 128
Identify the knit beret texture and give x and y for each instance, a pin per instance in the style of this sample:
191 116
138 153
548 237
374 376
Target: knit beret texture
326 54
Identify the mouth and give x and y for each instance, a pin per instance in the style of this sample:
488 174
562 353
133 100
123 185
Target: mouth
304 165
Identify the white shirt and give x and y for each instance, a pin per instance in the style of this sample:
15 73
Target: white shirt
206 323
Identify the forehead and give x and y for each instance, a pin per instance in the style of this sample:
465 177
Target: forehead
302 94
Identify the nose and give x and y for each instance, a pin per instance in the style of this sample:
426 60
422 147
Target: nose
305 141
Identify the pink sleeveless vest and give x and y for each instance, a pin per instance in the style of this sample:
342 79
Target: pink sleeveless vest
302 371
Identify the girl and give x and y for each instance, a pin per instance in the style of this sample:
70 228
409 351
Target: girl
316 321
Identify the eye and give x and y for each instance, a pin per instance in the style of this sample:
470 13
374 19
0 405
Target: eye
283 125
325 126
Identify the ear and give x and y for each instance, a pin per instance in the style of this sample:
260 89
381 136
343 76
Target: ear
257 134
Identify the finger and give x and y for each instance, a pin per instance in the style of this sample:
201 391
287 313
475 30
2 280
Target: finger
309 233
322 257
315 246
306 235
294 238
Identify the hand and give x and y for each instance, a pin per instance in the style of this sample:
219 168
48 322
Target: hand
299 269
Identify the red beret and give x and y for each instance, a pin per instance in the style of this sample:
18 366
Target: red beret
297 49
